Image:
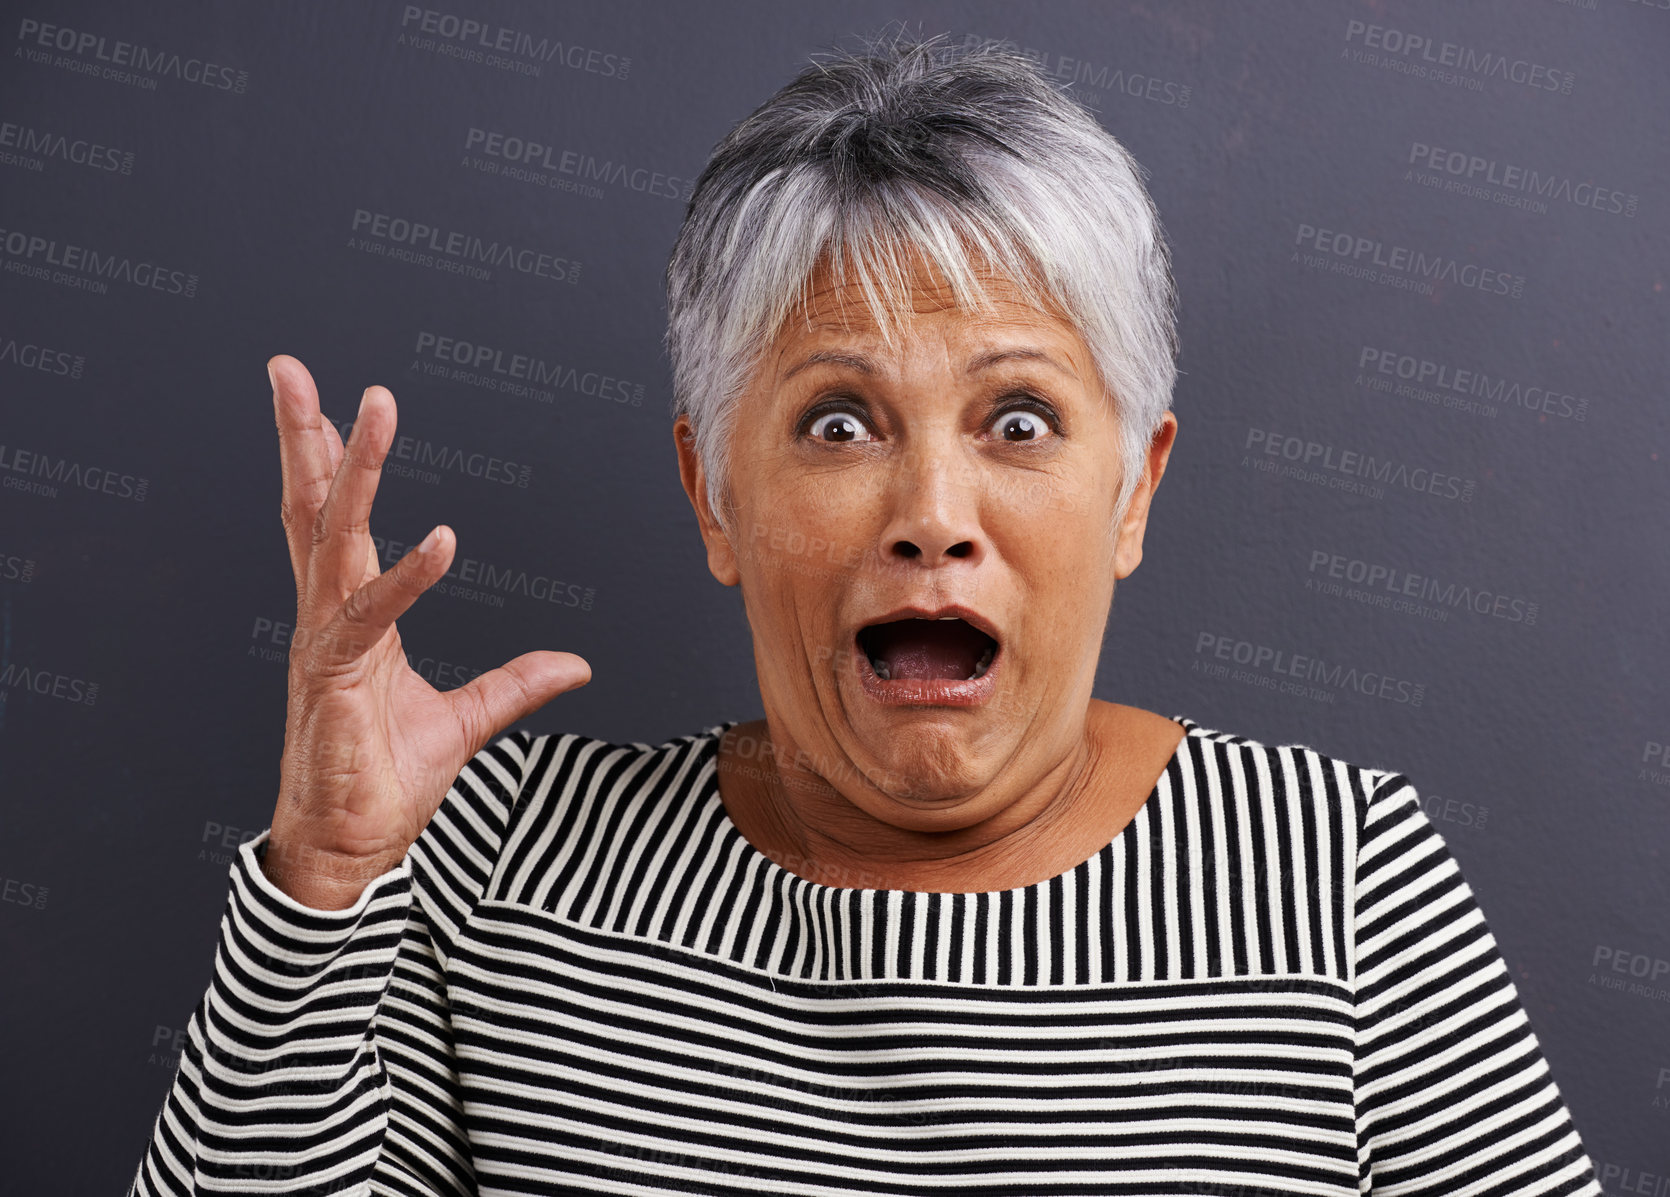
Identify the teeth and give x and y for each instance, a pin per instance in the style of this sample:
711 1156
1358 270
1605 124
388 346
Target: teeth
881 669
985 661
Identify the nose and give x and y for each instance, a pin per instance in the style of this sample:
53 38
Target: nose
935 514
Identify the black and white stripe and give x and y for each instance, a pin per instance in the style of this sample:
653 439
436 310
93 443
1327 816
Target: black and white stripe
583 979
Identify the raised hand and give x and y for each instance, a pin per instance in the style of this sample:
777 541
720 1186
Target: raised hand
370 748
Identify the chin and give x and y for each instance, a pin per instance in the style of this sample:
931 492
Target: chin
927 759
925 691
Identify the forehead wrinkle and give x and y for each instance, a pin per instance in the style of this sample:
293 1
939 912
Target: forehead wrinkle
828 308
1029 353
982 361
886 272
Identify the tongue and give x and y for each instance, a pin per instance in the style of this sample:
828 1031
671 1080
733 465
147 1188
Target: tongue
919 649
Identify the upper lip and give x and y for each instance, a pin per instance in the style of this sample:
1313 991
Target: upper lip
967 614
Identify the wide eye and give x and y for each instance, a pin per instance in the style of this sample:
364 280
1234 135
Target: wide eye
838 427
1021 425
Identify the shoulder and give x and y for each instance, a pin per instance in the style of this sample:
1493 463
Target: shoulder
564 766
1344 843
586 799
522 787
1287 775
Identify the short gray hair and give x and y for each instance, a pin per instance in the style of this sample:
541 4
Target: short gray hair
936 147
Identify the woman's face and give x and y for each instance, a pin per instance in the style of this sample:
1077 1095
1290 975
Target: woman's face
925 541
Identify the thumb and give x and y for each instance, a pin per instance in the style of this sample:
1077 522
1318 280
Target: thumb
519 687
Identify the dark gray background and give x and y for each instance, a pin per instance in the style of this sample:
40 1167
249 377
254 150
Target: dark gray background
1535 742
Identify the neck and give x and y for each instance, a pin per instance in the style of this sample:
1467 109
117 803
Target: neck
1024 827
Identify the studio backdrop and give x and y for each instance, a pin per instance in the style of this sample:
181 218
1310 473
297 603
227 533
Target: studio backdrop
1416 516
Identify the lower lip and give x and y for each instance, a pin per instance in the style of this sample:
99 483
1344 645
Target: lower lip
929 692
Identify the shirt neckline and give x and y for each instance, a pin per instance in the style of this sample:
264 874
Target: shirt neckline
772 873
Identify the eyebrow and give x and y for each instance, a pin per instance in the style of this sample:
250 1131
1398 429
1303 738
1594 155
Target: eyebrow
991 357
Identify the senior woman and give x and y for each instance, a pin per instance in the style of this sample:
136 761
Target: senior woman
941 921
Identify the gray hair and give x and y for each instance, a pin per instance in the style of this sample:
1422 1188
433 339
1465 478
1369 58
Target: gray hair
925 146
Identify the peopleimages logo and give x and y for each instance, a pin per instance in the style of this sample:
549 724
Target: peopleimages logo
23 893
1655 763
1136 84
121 61
452 250
270 640
1639 973
1454 810
1631 1182
1441 384
1347 469
424 461
30 148
1300 674
37 473
533 161
1447 62
26 355
470 40
1378 261
483 582
1518 186
48 684
1380 585
45 258
455 359
15 568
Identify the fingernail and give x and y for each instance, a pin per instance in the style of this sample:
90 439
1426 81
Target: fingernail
364 395
430 541
271 377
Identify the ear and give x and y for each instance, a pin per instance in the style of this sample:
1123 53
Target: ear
721 554
1127 553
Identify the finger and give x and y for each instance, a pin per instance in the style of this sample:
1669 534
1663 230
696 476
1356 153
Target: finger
370 611
516 689
333 442
342 529
304 460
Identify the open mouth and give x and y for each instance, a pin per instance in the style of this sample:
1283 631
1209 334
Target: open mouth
927 649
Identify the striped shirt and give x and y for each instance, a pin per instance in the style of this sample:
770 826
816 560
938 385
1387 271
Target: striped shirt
582 978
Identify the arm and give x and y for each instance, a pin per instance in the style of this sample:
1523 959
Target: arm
290 1079
280 1089
1453 1095
320 1058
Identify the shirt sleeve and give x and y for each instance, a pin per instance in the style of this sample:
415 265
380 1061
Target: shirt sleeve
320 1059
1453 1095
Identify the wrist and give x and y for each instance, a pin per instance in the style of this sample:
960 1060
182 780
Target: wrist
318 878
